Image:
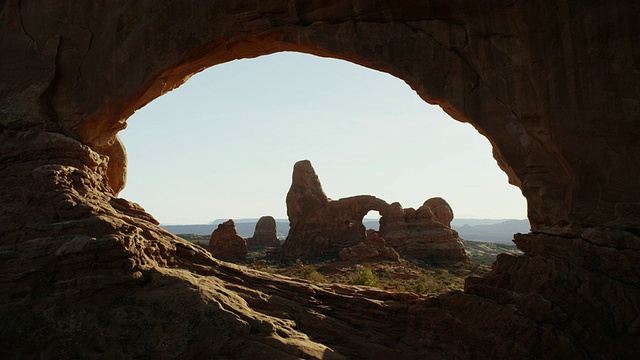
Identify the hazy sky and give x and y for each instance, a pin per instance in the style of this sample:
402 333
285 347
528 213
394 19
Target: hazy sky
223 144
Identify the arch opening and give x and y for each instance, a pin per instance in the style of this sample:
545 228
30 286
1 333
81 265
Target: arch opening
372 220
433 58
365 131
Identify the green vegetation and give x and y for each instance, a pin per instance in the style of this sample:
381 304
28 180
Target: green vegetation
485 253
427 285
310 273
422 277
403 276
257 254
195 238
363 276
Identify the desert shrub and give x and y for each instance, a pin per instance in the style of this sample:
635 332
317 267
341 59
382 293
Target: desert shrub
310 273
398 285
256 254
444 277
426 285
363 276
259 264
298 264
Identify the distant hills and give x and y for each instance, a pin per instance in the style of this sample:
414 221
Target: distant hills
484 230
245 227
501 232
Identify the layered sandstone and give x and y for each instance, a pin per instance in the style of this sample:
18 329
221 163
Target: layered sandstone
441 210
551 294
421 234
319 225
84 274
265 233
226 244
372 249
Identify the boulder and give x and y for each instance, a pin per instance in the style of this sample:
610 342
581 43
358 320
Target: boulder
265 234
226 244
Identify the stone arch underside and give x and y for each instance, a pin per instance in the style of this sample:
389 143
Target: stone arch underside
553 86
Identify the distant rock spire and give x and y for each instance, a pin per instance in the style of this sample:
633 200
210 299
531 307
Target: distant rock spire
265 234
227 244
306 190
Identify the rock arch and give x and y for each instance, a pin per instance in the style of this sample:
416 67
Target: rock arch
318 224
478 68
553 86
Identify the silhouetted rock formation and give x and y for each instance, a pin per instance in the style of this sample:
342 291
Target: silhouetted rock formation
265 234
320 225
226 244
553 85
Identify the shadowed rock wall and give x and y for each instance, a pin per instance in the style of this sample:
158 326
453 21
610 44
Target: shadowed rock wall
553 85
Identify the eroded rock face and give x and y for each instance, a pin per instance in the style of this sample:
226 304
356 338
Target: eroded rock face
442 212
319 225
554 297
226 244
265 234
552 85
421 234
374 248
116 165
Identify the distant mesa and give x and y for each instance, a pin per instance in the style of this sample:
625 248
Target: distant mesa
323 226
226 244
265 234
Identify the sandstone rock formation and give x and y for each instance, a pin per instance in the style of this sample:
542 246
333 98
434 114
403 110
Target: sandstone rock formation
421 234
322 226
319 225
374 248
226 244
116 166
553 85
265 234
441 210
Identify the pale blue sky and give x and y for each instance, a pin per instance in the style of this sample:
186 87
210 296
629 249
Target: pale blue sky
223 144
